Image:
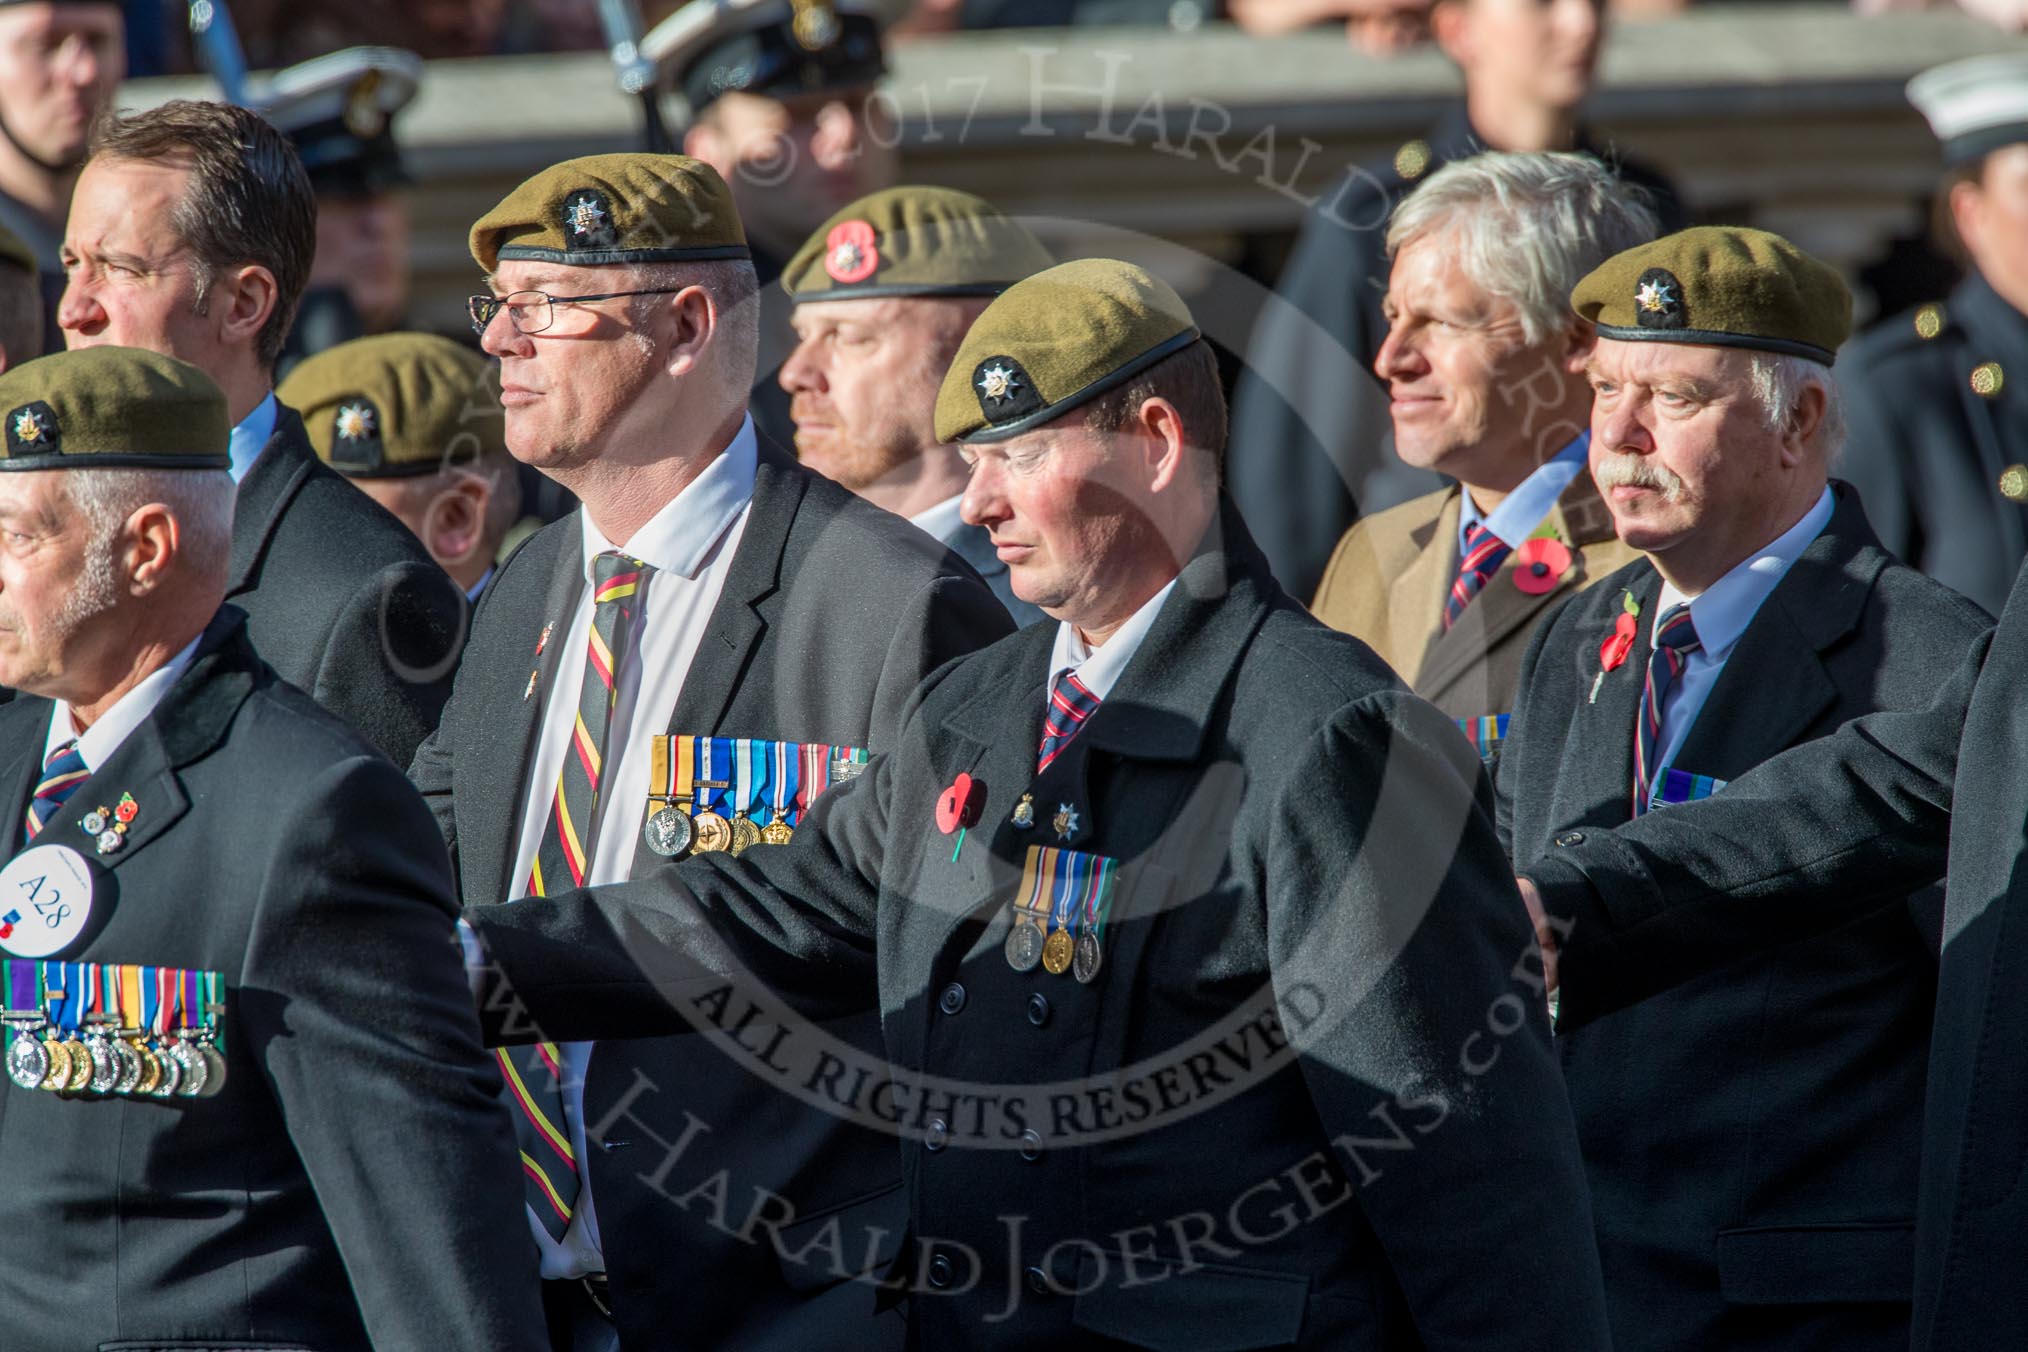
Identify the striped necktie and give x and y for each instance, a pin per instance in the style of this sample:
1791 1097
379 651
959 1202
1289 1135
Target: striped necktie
1675 639
533 1074
1484 553
1070 704
65 770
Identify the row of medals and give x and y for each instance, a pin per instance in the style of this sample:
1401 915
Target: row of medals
673 830
1056 952
101 1063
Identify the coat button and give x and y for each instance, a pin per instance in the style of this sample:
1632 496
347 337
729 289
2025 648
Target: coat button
940 1271
953 998
1038 1281
1031 1145
1038 1009
938 1135
1571 838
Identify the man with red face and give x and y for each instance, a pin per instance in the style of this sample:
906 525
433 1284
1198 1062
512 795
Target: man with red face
1939 395
1484 364
60 63
1738 1129
884 293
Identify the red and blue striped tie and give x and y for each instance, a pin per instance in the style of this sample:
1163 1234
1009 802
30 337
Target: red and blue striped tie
1675 639
65 770
1484 553
1070 704
534 1074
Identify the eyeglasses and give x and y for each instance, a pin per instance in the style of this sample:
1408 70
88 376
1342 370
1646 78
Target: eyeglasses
534 311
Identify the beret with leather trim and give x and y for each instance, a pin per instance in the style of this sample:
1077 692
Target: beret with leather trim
623 208
110 407
1722 286
398 404
1056 341
913 241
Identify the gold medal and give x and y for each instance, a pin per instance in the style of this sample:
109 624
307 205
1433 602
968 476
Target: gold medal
82 1071
151 1069
778 831
713 833
58 1077
744 835
1057 952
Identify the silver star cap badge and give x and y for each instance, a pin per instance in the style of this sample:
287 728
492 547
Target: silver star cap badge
585 217
355 422
998 384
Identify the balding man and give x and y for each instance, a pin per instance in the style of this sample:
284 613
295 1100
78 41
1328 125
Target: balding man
227 926
1188 932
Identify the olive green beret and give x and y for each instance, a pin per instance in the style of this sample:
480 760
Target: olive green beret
914 241
630 208
1056 341
14 252
398 404
112 406
1720 285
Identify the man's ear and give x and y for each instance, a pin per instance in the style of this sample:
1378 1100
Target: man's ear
243 306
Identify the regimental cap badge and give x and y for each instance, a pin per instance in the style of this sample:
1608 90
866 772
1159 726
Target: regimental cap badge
364 115
815 25
1006 391
356 432
851 252
588 220
32 430
998 382
1658 301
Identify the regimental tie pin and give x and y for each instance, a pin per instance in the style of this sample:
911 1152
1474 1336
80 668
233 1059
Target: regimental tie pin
108 825
541 642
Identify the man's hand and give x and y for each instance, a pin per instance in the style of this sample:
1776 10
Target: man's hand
1544 934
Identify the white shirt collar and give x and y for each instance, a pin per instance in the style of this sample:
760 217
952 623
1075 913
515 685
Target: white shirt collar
98 742
1522 510
1098 669
1723 610
252 434
681 538
940 522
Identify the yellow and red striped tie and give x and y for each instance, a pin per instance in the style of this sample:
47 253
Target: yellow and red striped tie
534 1074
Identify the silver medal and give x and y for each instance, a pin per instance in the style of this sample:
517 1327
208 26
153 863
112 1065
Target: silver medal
27 1062
668 832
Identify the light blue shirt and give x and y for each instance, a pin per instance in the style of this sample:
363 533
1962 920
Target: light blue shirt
1522 510
1721 614
251 435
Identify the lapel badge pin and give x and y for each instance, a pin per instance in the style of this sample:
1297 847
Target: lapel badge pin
1065 821
1540 564
108 825
1024 812
958 808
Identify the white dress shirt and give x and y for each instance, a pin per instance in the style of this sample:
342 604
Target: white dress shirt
252 434
98 742
1098 669
1721 614
940 522
689 544
1522 510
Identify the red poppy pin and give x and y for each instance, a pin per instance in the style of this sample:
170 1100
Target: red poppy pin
1540 563
1613 652
958 808
850 252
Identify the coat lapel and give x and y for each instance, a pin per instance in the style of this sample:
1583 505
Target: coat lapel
1601 736
1775 683
508 760
1415 612
1502 609
278 474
